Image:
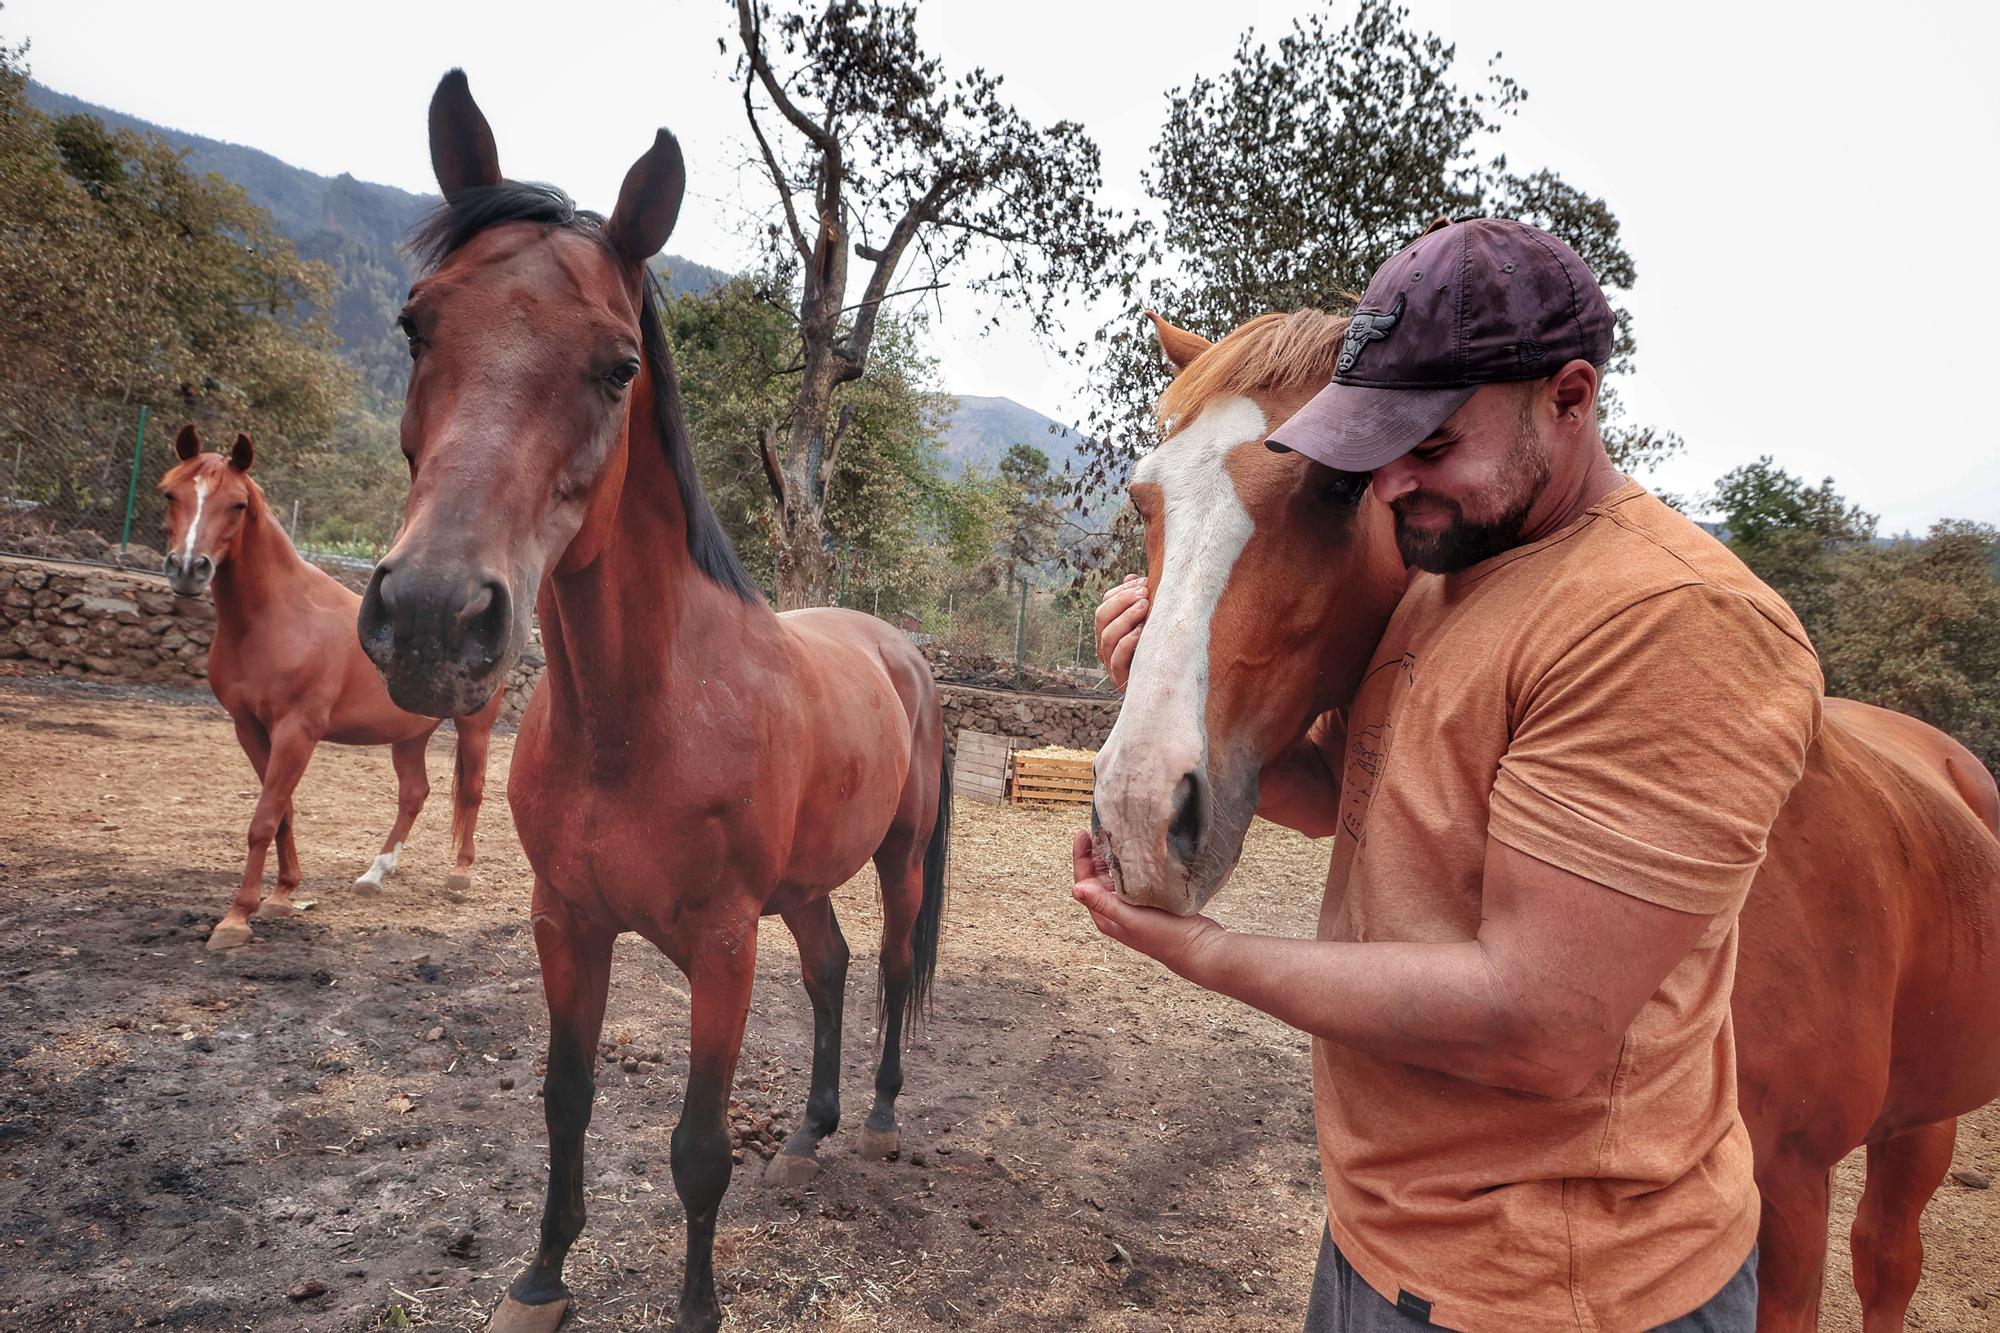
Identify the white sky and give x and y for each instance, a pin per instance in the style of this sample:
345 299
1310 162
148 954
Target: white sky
1806 187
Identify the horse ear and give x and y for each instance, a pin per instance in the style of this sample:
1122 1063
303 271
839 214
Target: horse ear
188 442
462 151
241 453
1180 346
649 201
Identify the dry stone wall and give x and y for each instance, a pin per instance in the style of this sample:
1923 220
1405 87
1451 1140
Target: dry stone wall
121 625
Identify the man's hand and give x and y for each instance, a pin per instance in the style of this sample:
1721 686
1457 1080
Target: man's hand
1121 615
1181 942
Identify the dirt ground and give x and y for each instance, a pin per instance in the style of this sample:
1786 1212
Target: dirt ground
188 1139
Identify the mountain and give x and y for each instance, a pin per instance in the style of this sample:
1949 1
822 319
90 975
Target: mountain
355 226
982 430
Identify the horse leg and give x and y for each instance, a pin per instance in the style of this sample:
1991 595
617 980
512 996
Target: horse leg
719 972
576 974
1888 1244
900 869
823 964
468 788
413 788
290 750
1791 1243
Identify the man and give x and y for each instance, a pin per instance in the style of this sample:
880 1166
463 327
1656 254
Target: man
1580 725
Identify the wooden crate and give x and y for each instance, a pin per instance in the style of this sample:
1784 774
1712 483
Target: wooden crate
1044 781
979 766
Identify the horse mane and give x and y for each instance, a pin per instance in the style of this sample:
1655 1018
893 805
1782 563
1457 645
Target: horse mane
1274 351
470 211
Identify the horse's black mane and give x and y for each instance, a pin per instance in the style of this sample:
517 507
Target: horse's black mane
471 211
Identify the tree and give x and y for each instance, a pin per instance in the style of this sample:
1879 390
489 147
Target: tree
1787 532
1916 628
1033 532
926 179
127 279
887 497
1286 180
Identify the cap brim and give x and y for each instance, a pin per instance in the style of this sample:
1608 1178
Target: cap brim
1353 428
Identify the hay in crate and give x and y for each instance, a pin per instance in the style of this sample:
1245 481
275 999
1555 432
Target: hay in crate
1054 775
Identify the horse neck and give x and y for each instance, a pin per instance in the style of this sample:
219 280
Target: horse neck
260 574
627 623
1370 589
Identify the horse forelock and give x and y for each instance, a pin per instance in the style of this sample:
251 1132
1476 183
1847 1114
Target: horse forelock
1272 352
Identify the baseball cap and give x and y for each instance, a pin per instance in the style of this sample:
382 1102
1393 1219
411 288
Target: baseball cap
1482 301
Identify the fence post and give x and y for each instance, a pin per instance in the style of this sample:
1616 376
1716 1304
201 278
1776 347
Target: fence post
132 491
1021 634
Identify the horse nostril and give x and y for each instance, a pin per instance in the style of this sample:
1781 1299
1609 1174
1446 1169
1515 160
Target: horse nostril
479 623
378 611
172 565
1184 830
202 564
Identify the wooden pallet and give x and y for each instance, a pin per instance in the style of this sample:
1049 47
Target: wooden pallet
1043 781
979 766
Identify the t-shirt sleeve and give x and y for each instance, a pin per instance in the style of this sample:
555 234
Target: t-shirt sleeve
1653 756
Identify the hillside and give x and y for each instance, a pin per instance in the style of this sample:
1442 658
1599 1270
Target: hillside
983 429
355 226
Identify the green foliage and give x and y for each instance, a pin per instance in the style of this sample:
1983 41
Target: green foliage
1032 535
1910 626
1286 180
888 499
127 279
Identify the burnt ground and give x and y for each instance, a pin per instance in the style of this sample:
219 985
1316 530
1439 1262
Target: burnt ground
187 1139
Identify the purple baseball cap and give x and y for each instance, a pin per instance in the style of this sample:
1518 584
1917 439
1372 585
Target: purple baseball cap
1484 301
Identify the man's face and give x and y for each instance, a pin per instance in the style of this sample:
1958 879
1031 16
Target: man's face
1463 495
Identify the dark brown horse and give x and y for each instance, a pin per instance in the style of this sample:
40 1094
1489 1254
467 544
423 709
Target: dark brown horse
285 665
1867 1000
690 762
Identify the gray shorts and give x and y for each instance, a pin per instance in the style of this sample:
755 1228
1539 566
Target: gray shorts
1343 1303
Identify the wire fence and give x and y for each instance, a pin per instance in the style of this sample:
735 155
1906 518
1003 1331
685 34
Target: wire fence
79 477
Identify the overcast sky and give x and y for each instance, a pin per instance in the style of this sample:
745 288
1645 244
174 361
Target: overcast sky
1807 188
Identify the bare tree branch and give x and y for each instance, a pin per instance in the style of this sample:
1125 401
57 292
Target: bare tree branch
890 296
767 448
753 47
778 178
833 447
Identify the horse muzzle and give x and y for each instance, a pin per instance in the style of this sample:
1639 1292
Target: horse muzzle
443 640
189 578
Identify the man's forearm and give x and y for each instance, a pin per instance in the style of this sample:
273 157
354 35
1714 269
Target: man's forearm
1438 1006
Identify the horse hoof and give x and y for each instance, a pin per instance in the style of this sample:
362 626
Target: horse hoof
514 1317
877 1143
368 888
226 936
276 907
790 1170
458 881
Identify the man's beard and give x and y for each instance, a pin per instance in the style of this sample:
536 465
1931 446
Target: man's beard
1461 544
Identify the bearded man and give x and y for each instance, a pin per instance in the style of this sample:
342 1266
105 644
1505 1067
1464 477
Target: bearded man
1549 800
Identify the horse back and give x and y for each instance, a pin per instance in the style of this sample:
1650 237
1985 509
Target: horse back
1868 985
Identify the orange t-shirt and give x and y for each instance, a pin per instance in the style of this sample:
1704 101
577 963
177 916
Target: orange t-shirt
1627 702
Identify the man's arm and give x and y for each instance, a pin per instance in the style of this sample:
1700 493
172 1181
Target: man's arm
1538 1002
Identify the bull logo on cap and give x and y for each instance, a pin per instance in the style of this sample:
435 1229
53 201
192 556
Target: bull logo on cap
1364 328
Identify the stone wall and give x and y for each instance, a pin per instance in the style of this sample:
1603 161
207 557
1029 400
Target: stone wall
121 625
83 621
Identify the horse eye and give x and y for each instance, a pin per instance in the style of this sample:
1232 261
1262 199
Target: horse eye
1345 488
408 327
624 373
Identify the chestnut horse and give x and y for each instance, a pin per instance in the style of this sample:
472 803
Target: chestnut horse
690 762
1867 1000
285 665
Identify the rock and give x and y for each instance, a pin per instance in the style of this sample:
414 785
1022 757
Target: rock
506 1083
307 1290
435 1034
1972 1178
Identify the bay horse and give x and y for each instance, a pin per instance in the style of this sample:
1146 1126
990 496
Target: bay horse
1874 922
690 761
286 668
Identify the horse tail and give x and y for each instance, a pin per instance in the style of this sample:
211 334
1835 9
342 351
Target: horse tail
930 912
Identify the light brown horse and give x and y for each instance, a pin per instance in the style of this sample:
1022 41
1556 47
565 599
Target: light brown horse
1867 1000
690 762
285 665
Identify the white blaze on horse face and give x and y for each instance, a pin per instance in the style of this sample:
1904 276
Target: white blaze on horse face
194 524
385 865
1161 734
